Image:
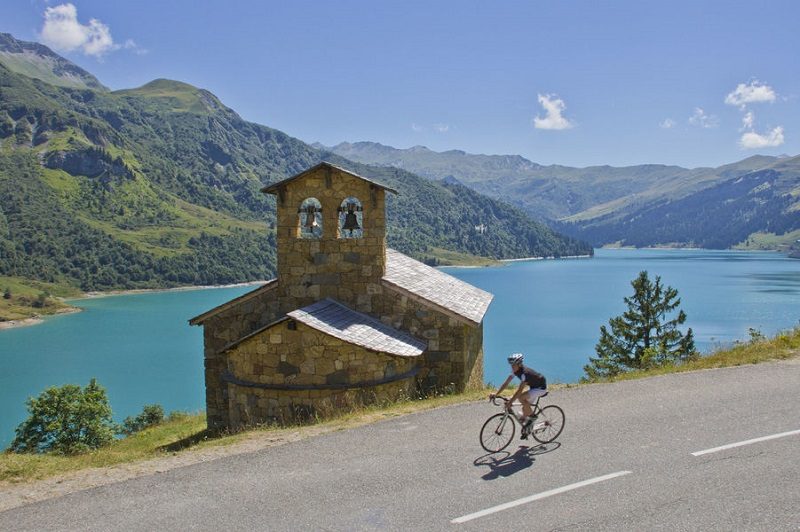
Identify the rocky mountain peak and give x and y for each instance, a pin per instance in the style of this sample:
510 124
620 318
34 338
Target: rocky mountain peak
38 61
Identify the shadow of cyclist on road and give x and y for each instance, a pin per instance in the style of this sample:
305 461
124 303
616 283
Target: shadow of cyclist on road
505 464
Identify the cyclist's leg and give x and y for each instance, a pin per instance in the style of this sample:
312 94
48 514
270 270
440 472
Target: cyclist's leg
533 394
527 408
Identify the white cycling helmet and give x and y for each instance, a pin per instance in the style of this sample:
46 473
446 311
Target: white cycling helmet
516 358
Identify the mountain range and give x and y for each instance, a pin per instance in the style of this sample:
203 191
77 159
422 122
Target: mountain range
160 186
753 203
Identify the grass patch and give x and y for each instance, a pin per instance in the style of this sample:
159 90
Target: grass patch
784 345
148 443
25 293
454 258
769 241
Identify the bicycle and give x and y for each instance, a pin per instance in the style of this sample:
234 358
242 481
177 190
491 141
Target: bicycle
499 429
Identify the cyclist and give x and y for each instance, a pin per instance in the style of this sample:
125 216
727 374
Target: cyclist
537 386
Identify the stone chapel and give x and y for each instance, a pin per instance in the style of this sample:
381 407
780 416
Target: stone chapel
346 320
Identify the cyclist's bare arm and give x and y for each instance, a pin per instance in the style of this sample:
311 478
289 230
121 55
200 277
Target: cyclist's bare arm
503 387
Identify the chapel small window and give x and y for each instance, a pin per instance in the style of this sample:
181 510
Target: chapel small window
310 218
351 218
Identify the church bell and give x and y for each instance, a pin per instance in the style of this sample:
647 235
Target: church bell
350 219
311 218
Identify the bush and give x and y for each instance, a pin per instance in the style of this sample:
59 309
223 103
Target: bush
66 420
151 415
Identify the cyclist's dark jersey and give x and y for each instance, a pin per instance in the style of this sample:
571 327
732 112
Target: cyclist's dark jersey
532 378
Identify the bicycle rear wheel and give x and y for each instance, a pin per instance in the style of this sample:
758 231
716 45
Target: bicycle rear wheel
497 432
549 424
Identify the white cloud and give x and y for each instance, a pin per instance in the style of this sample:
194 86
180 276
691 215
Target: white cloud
753 92
747 120
701 119
130 44
63 32
752 140
553 107
667 123
438 128
742 96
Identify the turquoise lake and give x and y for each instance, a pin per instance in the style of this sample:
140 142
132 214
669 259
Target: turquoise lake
142 350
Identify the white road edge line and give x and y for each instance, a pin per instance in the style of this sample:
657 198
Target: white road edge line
526 500
748 442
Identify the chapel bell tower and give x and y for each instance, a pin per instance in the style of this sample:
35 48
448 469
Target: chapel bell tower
331 237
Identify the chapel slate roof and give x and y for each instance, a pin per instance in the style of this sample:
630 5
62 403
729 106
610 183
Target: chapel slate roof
437 287
273 188
335 319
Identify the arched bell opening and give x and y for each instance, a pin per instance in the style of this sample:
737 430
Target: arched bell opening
351 218
309 217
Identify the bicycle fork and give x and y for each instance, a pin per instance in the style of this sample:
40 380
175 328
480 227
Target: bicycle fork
502 425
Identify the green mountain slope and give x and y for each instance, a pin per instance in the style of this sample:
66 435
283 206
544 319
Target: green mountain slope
643 205
759 209
160 186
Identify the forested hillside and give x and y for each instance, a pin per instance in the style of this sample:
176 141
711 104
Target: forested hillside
160 186
645 205
729 213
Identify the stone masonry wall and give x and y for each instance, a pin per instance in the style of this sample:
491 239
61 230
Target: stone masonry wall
221 330
333 371
454 358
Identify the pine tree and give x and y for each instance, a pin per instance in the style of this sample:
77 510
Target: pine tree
642 337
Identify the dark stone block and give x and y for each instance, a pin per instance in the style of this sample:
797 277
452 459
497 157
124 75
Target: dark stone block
437 356
337 377
326 279
391 370
288 369
352 257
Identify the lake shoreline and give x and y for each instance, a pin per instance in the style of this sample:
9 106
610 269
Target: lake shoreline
525 259
36 320
134 291
71 309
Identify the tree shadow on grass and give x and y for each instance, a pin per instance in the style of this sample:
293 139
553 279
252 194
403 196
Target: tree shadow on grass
505 464
190 441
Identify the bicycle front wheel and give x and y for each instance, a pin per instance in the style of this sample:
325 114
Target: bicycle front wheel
549 424
497 432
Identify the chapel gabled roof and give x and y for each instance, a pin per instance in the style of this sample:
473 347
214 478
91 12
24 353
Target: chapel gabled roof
433 286
274 187
335 319
269 285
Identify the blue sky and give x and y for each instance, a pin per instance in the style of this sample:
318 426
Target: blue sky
692 83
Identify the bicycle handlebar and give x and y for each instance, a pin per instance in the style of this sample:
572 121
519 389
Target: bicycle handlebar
496 397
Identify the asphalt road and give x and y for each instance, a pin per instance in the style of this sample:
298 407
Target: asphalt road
639 455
